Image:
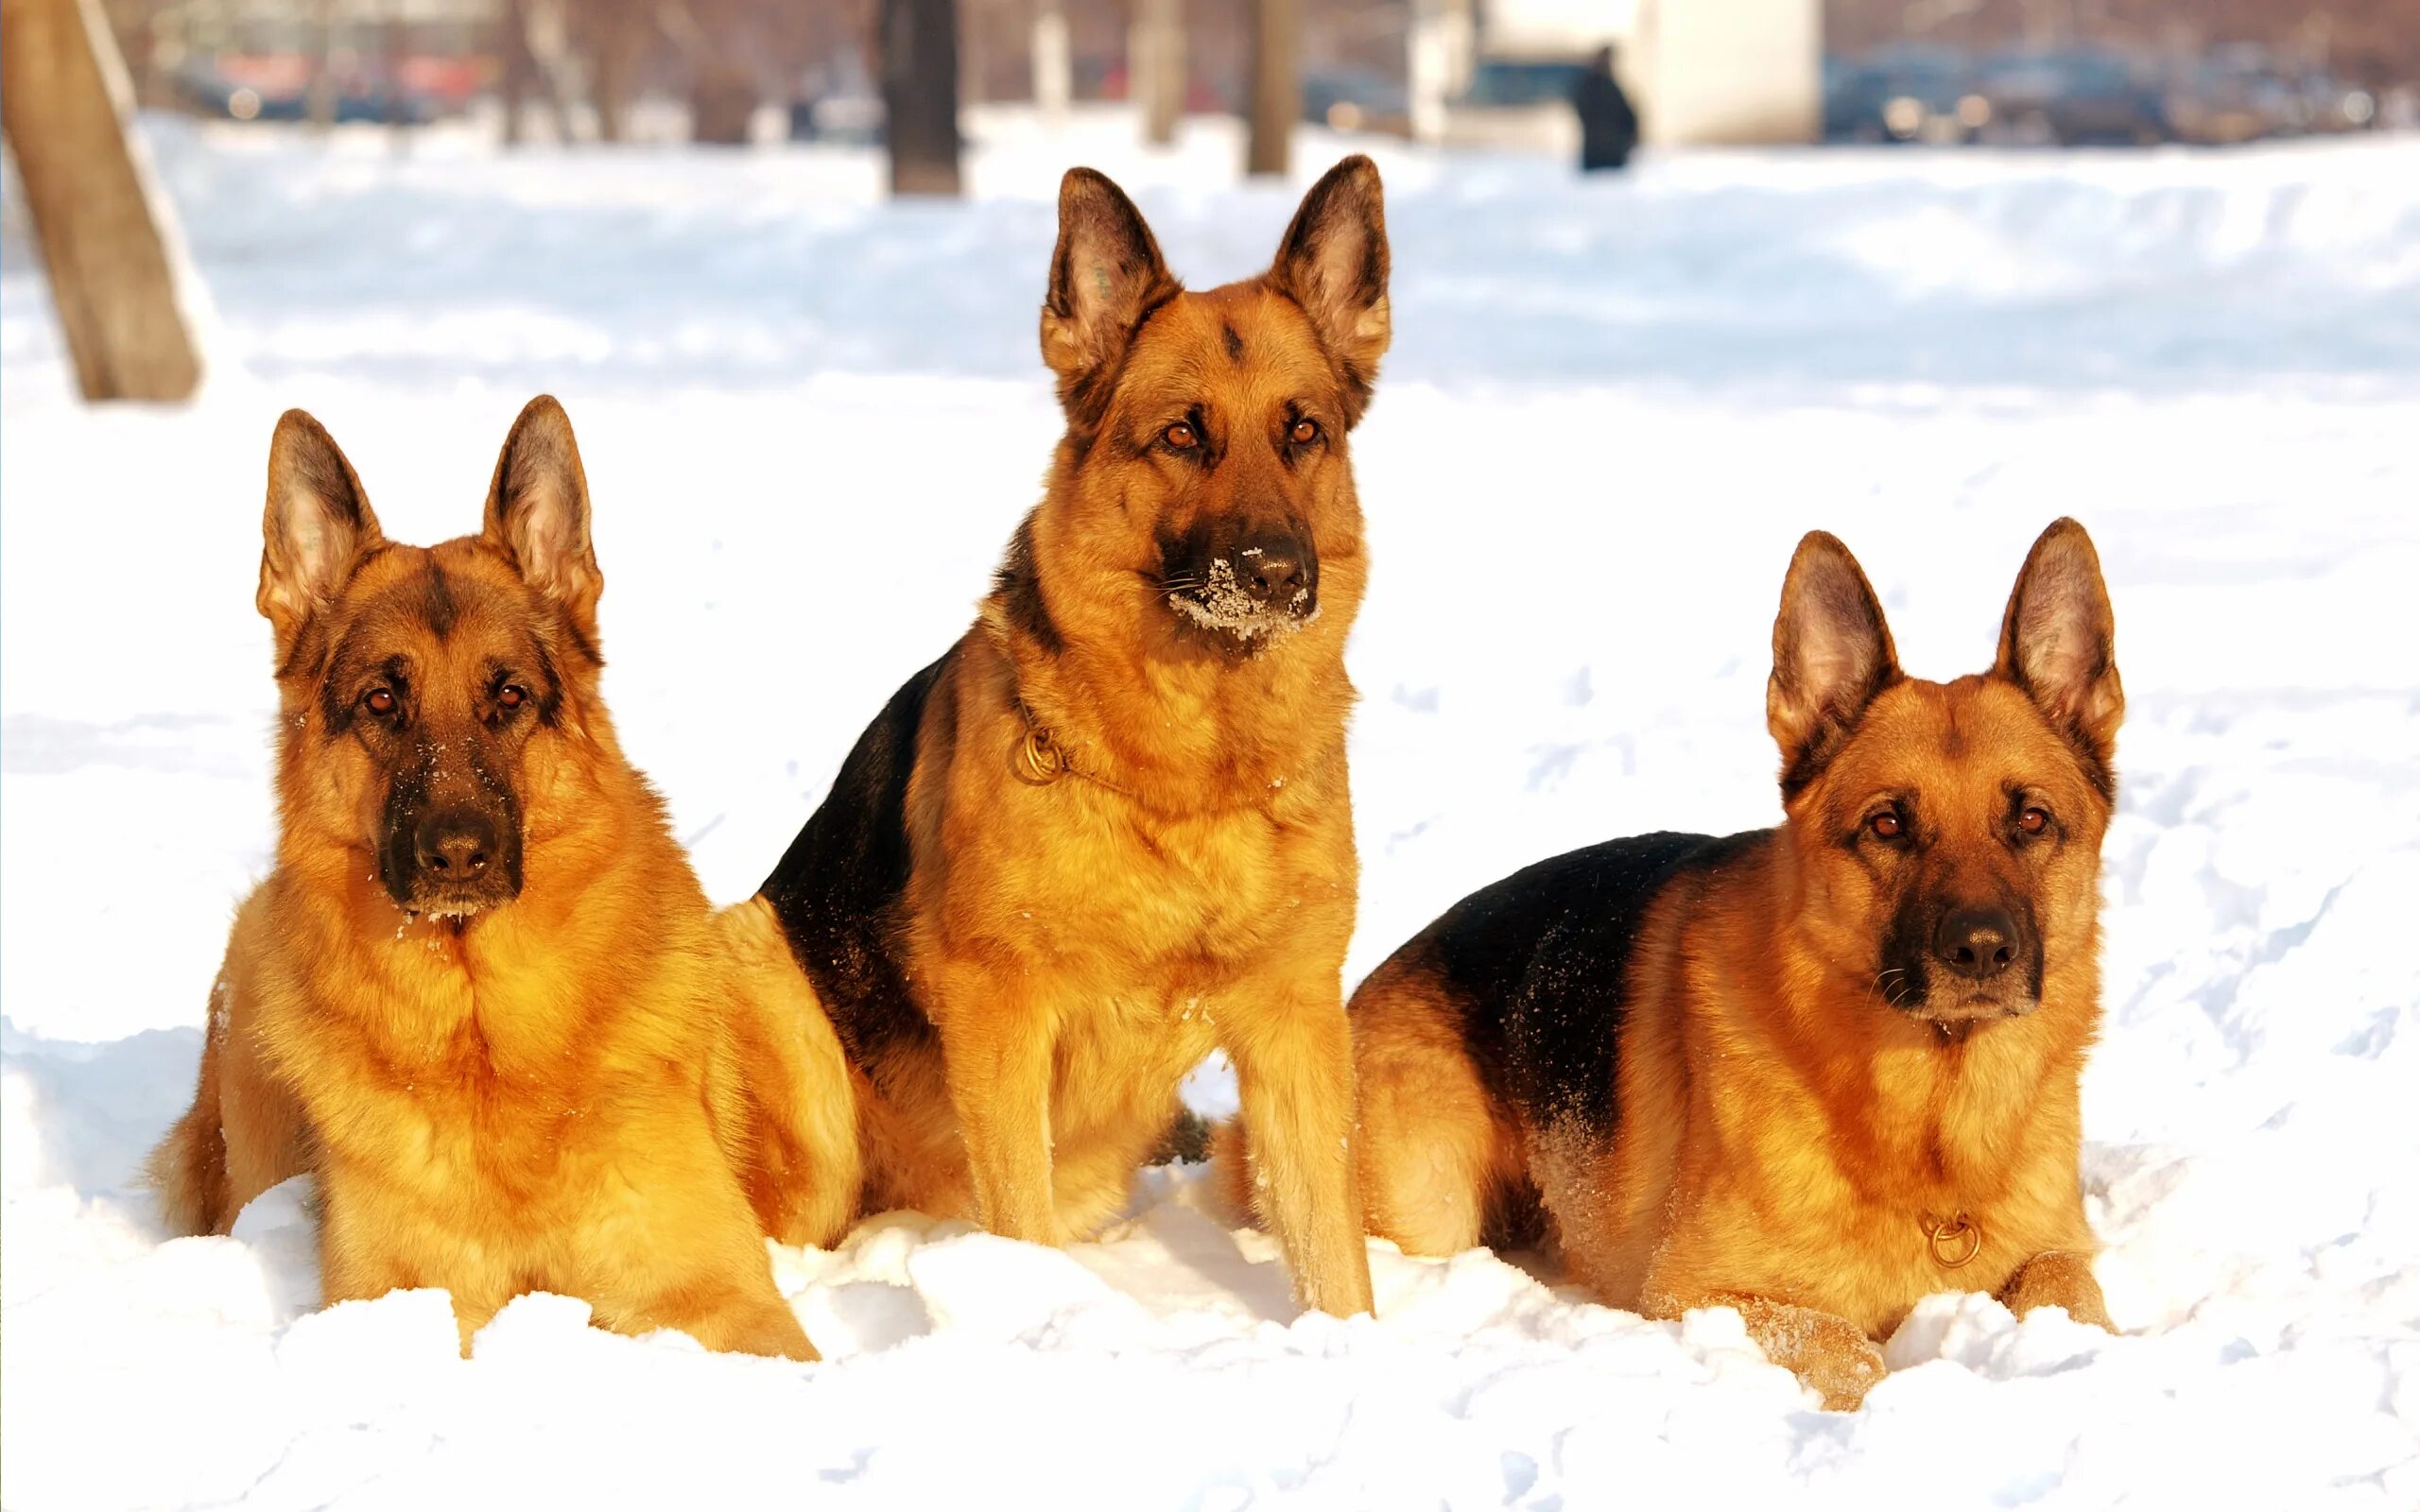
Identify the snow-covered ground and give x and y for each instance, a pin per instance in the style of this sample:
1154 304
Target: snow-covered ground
811 419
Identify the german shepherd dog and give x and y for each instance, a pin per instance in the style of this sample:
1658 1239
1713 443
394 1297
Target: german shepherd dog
1815 1072
1109 829
481 997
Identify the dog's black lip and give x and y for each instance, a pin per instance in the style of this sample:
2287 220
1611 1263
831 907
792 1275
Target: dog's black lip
1975 1008
1170 588
1230 642
464 904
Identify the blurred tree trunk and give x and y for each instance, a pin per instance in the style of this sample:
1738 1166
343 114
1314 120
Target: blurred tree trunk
395 45
546 32
1155 68
319 96
520 64
722 103
136 25
1276 88
620 33
67 108
920 94
723 94
1053 69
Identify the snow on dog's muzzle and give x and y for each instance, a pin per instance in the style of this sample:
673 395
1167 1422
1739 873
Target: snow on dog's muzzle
1263 584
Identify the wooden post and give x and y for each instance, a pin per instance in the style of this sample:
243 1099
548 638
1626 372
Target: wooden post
920 94
1276 88
66 107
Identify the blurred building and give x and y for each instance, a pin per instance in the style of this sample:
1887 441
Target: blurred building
1494 72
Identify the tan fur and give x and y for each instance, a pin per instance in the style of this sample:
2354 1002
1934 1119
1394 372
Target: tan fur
1188 885
1784 1136
597 1088
1441 1161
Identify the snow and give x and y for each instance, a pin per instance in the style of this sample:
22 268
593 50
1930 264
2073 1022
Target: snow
1222 603
811 419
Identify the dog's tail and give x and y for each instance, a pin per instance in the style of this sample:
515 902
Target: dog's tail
189 1168
1186 1140
800 1156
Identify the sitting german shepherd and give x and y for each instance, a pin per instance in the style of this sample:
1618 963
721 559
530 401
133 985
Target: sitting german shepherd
482 997
1109 829
1815 1072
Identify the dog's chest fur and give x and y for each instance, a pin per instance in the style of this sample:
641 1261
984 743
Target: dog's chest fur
486 1068
1137 924
1110 889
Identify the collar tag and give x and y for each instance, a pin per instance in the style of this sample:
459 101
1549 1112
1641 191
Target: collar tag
1037 762
1955 1240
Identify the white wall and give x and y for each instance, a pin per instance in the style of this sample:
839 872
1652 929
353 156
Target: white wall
1730 70
1702 71
1556 26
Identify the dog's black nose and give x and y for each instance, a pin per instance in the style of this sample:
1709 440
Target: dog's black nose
1273 570
454 847
1978 943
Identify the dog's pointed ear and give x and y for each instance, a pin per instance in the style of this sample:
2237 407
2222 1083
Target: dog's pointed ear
1832 655
1333 263
1105 275
317 523
2059 641
538 511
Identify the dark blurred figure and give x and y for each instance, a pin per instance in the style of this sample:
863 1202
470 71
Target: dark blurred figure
1608 126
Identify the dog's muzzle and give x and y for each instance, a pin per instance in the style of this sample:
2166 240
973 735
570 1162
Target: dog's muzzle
1966 965
1248 590
453 861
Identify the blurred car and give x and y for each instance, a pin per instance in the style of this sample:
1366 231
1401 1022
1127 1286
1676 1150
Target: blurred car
277 87
1111 81
1905 97
1357 99
848 119
2072 97
1518 101
2242 94
1516 83
838 102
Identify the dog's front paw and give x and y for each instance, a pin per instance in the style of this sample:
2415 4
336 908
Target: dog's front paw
1838 1361
1823 1350
2058 1278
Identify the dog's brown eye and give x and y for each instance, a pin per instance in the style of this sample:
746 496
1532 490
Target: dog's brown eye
379 700
2033 821
1180 436
1886 826
511 695
1305 432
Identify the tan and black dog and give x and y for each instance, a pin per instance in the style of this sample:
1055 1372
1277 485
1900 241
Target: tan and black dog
482 998
1815 1072
1109 829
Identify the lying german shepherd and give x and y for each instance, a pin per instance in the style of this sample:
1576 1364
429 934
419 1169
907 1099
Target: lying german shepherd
1109 829
482 997
1815 1072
